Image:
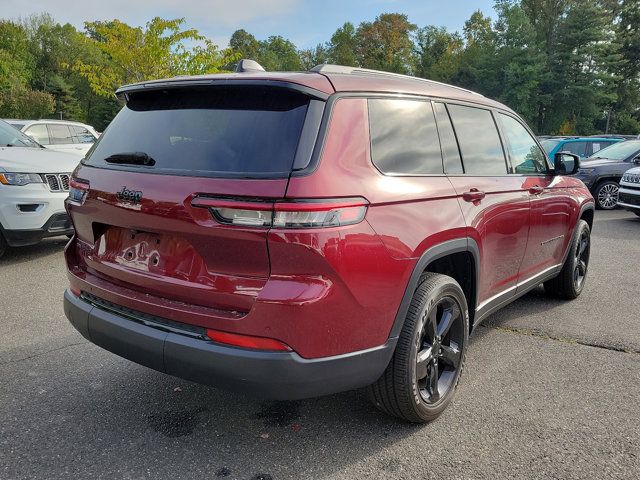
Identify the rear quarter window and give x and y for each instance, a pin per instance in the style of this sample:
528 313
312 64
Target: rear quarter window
404 137
248 132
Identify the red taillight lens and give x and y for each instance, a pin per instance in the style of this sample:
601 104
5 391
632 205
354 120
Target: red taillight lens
247 341
286 214
78 190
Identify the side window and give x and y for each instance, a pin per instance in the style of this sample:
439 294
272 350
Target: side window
579 148
526 156
60 134
479 141
39 133
450 152
81 135
404 138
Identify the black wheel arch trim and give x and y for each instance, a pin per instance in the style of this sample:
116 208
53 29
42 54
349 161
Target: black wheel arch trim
440 250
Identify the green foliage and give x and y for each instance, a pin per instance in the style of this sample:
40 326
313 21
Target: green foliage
343 45
135 54
385 43
21 102
568 66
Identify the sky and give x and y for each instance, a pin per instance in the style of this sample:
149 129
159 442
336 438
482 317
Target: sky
305 22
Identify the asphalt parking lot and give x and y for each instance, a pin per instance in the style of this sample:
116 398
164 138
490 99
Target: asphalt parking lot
550 390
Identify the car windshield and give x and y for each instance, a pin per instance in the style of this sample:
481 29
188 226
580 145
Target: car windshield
549 144
12 137
618 151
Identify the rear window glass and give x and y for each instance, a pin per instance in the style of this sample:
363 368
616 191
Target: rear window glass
404 137
240 131
479 141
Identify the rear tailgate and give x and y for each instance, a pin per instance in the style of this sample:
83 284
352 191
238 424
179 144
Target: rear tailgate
165 247
136 225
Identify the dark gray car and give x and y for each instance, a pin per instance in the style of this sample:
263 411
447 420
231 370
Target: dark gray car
602 172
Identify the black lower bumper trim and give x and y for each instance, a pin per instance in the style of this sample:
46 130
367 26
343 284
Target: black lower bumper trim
58 224
275 375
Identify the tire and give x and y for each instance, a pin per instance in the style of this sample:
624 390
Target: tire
571 279
3 245
419 391
606 194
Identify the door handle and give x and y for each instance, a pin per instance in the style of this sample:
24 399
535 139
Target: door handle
473 195
536 190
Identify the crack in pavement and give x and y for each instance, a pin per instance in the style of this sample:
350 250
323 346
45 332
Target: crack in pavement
39 354
572 341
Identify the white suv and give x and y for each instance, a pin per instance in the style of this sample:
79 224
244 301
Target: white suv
629 193
34 183
61 135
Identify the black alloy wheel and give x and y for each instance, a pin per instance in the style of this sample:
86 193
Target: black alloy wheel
440 353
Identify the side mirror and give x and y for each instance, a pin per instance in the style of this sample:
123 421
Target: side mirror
637 160
565 163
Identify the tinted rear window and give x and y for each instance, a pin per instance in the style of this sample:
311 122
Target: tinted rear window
479 141
239 131
404 138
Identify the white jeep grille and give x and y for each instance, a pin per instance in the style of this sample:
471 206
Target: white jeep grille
57 182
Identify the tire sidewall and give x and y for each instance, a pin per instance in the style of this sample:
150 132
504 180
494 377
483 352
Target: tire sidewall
582 226
443 289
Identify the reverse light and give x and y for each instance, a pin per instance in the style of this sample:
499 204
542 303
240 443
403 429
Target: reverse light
19 179
248 341
78 190
312 213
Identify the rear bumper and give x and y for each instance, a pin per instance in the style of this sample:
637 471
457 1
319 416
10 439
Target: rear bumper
57 224
276 375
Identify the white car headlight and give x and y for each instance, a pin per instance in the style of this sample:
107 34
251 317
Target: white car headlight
19 179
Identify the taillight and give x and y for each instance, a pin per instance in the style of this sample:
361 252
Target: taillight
248 341
78 190
312 213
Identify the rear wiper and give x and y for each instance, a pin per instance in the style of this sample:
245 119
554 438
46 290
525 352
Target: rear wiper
131 158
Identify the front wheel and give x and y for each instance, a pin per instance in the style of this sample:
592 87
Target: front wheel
570 281
422 376
606 194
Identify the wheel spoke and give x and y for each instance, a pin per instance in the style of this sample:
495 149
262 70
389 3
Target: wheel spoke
424 358
582 266
448 317
432 381
450 354
431 325
583 246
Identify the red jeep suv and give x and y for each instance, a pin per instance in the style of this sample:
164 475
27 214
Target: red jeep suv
299 234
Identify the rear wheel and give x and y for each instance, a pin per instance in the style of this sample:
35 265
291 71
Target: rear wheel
422 376
570 282
606 194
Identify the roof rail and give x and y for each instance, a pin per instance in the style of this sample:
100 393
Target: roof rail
247 65
341 69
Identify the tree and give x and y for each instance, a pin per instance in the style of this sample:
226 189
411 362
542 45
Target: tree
135 54
626 109
311 57
278 54
438 53
342 46
244 44
385 43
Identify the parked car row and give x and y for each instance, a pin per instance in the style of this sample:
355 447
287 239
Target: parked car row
62 135
606 159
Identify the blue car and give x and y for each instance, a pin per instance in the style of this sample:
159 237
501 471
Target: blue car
584 147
